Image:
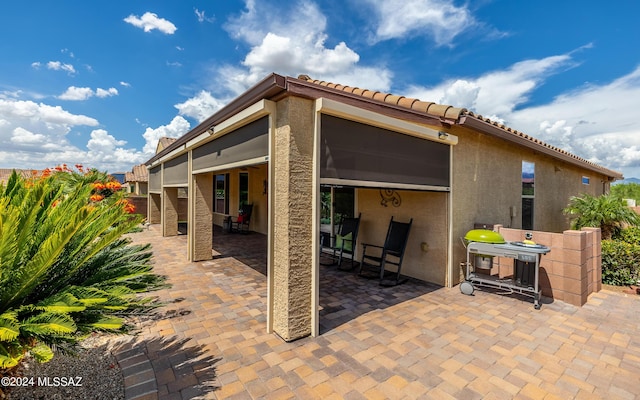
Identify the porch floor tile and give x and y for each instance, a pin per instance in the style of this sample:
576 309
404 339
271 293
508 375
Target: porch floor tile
416 340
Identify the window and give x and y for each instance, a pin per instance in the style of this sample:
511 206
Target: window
221 189
243 195
528 192
337 202
585 180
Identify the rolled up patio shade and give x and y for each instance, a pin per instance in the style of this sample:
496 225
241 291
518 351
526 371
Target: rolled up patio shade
176 171
245 143
155 179
358 152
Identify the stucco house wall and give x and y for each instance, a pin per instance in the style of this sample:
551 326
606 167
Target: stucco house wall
487 186
426 252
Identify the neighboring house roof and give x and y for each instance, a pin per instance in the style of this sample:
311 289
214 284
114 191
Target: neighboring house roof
5 173
138 173
276 86
164 142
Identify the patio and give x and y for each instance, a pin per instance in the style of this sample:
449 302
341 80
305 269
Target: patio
412 341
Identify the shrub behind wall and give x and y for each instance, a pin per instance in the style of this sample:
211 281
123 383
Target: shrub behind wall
621 258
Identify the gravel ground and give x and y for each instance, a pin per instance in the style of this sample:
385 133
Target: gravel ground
101 378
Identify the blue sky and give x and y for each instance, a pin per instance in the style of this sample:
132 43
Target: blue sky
99 82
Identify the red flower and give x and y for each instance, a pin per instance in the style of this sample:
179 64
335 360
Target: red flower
99 186
96 197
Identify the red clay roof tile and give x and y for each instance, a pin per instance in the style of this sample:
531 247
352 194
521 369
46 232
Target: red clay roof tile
445 111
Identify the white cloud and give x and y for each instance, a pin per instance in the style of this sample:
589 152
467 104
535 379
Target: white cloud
176 128
440 19
202 17
34 136
83 93
21 112
106 92
288 42
125 84
496 93
200 107
23 136
76 93
150 21
293 43
59 66
596 122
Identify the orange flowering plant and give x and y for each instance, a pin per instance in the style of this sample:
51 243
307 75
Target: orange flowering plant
103 186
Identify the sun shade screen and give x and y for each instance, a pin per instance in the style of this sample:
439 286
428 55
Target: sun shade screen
354 151
245 143
176 171
155 179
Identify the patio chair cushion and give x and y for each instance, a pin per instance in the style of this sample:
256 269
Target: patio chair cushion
345 242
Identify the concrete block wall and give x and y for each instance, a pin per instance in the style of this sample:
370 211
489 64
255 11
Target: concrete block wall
571 271
154 209
140 203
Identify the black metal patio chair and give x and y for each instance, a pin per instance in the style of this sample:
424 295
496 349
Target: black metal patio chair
344 242
373 266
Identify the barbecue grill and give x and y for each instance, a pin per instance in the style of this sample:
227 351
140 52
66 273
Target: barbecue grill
526 256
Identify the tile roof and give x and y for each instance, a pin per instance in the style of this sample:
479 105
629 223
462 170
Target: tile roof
460 116
5 173
163 143
138 173
426 107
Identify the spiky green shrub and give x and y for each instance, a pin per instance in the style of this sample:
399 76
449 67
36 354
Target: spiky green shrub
607 212
65 267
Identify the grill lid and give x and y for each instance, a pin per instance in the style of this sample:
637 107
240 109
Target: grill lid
484 236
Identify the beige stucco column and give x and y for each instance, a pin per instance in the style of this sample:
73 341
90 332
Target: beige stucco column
169 211
290 275
201 217
154 213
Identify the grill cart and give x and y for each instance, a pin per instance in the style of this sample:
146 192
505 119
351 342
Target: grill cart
482 245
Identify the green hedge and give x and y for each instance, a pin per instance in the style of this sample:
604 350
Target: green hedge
621 258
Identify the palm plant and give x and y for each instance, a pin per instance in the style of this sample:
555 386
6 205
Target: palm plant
607 212
65 267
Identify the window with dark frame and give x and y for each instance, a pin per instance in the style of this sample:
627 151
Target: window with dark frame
528 194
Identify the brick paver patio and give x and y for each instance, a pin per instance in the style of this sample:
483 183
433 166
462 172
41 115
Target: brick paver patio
412 341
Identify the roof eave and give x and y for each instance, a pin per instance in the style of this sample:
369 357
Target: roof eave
475 123
268 87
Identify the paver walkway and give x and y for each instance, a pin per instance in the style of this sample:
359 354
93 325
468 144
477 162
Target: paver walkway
413 341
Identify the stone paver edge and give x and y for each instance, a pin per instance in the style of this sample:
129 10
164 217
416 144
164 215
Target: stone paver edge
139 377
